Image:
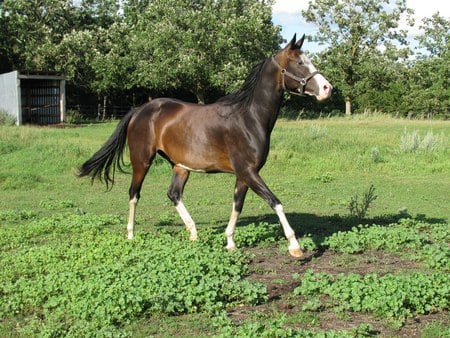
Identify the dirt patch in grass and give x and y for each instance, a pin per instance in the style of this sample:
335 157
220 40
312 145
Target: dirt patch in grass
276 269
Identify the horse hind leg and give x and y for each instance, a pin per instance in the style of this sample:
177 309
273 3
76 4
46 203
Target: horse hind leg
140 169
175 194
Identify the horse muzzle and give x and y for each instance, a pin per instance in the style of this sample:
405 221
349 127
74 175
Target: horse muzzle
323 88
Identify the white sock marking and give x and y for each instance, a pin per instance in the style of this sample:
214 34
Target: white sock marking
229 231
131 217
187 219
288 232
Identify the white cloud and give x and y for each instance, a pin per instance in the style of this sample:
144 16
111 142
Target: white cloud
287 14
422 8
289 6
428 7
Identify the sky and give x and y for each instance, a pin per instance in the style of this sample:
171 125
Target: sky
287 14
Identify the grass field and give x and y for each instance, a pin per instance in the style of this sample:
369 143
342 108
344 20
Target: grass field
67 270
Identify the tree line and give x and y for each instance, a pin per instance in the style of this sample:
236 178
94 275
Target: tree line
201 49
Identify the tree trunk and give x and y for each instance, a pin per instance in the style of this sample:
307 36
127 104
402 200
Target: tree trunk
200 97
348 106
104 107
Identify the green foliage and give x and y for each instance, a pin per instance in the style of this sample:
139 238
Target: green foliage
221 40
324 178
93 280
429 87
354 30
390 296
207 47
276 328
11 216
73 116
55 205
110 46
359 208
412 238
254 234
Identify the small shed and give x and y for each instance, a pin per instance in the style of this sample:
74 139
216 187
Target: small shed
33 98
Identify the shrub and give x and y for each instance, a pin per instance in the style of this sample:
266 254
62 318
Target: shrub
317 131
376 155
73 116
6 119
412 142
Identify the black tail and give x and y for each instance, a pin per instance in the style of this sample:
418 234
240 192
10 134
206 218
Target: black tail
103 163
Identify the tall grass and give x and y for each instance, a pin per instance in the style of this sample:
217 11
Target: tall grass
411 142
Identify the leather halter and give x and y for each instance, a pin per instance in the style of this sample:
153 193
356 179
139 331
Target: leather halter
301 80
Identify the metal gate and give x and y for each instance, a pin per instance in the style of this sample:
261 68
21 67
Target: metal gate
40 101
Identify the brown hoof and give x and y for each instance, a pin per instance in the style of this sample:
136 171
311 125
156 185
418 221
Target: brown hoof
297 253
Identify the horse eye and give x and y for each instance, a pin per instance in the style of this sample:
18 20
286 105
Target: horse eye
300 62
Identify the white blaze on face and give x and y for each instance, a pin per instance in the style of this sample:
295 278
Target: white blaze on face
323 86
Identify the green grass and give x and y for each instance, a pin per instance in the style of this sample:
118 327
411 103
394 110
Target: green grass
66 268
320 174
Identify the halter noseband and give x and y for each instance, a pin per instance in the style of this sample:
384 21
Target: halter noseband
302 80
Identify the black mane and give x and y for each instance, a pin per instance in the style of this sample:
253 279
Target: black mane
244 95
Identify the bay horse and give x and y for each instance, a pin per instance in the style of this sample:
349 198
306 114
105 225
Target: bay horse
231 135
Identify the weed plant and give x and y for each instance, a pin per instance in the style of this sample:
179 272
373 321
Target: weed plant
359 208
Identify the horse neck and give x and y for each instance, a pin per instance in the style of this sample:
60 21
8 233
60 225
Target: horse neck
267 99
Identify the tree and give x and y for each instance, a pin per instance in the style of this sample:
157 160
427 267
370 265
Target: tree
357 31
29 27
199 45
429 89
36 34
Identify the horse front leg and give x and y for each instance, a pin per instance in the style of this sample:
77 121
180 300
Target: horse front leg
256 183
240 192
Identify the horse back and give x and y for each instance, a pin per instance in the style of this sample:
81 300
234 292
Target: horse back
187 134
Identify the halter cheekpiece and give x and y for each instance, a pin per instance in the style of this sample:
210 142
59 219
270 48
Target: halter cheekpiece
301 80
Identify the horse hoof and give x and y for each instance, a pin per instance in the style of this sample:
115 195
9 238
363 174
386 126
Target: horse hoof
193 237
296 253
130 236
231 248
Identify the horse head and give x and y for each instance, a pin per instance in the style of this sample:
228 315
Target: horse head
298 75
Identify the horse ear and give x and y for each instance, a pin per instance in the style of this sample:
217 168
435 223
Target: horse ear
291 44
299 43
